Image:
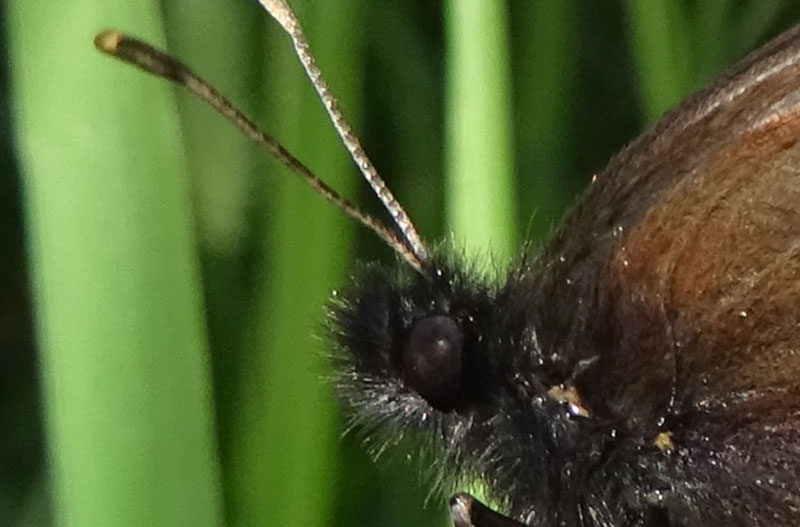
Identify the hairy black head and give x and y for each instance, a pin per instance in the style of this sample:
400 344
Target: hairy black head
418 335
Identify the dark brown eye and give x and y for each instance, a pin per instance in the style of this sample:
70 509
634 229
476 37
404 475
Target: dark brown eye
432 360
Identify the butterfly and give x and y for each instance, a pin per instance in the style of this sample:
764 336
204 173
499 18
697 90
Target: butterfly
642 368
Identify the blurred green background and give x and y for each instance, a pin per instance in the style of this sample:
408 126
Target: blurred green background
162 282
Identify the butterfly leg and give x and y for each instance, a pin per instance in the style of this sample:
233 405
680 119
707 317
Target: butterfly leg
466 511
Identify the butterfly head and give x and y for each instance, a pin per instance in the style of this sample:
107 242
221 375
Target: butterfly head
416 334
429 352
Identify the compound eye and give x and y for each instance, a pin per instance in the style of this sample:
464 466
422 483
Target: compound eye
432 360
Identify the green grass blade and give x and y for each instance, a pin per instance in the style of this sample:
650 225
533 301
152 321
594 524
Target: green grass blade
221 41
709 36
218 40
546 76
660 41
479 166
117 295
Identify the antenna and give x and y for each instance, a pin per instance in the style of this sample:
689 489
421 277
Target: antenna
161 64
284 15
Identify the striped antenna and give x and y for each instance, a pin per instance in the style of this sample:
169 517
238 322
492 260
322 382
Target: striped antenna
156 62
284 15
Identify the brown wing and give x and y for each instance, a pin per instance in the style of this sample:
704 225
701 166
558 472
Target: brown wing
668 301
715 258
691 236
706 286
683 265
719 258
